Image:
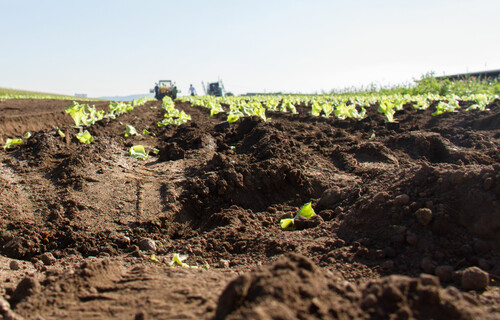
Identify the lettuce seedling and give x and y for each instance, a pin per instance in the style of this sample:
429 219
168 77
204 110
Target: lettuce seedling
178 259
327 109
306 211
138 152
130 131
444 107
84 137
10 142
233 116
316 108
388 109
77 112
60 133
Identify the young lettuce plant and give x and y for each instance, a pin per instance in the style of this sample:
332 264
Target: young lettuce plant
316 108
327 109
306 211
482 100
84 137
138 152
388 109
77 112
178 259
130 131
444 107
234 115
10 142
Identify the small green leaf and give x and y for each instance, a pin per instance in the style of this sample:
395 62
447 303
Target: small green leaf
286 223
77 112
10 142
146 132
307 211
178 259
130 131
156 151
27 135
138 152
84 137
60 133
231 118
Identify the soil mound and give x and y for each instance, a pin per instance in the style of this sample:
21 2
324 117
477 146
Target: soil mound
293 288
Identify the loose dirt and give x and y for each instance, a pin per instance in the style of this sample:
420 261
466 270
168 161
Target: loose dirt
401 214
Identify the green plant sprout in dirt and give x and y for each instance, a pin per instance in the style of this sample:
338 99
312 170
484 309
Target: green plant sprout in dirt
84 137
138 152
289 223
130 131
10 142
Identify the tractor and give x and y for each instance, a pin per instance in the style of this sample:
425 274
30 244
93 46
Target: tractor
214 88
164 88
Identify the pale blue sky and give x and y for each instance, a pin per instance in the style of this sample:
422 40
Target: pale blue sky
108 47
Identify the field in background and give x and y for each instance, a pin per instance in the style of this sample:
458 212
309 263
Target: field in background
6 93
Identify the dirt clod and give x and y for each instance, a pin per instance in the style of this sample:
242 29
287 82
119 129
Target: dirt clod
147 244
27 287
401 200
444 273
48 258
474 278
14 265
424 216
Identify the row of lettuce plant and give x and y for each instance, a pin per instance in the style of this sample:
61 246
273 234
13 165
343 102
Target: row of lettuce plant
172 116
86 115
344 106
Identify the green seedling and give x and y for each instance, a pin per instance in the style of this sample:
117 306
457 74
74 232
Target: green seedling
306 211
77 112
138 152
84 137
61 133
178 260
27 135
233 116
130 131
10 142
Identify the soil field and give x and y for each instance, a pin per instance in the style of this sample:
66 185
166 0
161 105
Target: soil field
18 116
407 224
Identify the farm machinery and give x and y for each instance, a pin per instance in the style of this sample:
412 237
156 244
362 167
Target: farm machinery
214 88
164 88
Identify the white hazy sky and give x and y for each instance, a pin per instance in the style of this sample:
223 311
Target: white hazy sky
109 47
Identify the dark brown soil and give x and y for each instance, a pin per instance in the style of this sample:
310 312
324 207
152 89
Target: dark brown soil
18 116
391 205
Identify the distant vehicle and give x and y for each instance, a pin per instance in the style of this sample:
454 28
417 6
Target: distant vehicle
164 88
214 89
